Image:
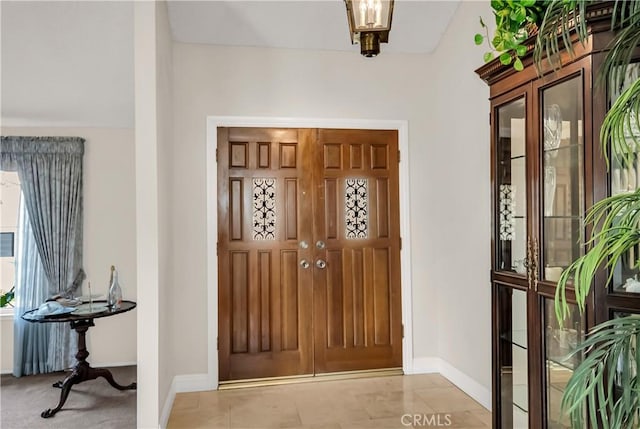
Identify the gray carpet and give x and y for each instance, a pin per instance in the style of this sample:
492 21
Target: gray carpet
91 404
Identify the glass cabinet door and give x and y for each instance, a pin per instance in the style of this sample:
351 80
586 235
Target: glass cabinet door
561 340
626 179
511 188
562 176
512 357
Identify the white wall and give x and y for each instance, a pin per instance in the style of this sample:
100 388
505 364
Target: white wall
459 231
10 202
147 233
446 106
167 285
109 236
6 344
212 80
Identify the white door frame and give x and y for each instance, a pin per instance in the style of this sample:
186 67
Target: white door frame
213 122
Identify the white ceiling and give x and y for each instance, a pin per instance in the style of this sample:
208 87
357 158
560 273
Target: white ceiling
304 24
67 63
71 63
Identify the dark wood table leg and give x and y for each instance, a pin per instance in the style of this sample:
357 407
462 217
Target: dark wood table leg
82 371
73 378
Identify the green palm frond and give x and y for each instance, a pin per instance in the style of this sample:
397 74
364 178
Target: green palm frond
616 221
562 17
622 10
622 46
607 380
621 123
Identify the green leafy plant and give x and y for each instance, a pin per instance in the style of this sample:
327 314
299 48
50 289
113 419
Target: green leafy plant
6 298
607 378
516 21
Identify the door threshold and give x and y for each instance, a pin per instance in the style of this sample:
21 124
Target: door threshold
308 378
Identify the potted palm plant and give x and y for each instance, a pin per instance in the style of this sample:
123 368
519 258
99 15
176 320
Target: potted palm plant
607 380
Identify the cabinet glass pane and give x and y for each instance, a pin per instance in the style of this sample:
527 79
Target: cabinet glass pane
560 341
562 176
513 362
624 179
511 191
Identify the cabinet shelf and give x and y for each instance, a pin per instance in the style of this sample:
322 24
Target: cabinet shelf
563 361
563 148
520 395
516 337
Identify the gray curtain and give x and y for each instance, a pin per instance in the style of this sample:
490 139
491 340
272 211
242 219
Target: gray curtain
50 172
31 347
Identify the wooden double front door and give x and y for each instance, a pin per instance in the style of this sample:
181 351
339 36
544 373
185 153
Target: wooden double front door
308 251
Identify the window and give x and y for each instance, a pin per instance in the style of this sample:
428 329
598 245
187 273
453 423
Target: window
9 207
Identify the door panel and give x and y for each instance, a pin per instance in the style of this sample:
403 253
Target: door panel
327 197
263 209
357 295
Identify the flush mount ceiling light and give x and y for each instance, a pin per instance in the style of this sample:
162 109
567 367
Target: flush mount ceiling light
369 24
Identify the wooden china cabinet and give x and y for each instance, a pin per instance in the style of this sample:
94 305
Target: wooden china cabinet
547 169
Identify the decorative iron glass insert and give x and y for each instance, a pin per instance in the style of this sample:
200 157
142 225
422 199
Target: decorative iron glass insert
356 208
264 209
507 212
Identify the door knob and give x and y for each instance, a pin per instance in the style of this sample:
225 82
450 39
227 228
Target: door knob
320 244
304 245
304 264
321 264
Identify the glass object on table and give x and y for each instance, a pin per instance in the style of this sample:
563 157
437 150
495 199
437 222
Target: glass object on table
562 176
512 355
511 187
560 342
115 292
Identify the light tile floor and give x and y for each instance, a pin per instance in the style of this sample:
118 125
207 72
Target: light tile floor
410 401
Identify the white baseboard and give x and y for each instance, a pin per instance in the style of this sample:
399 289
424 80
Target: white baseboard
426 365
168 404
184 383
467 384
110 364
193 383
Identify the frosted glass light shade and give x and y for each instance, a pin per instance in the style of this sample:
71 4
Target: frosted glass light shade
369 23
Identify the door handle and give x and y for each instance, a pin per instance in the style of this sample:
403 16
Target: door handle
304 264
304 245
320 244
321 264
